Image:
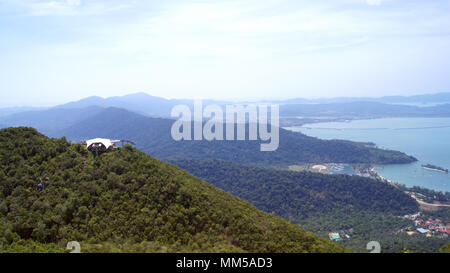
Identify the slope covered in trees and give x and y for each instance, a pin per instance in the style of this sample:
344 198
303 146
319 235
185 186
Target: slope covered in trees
363 208
152 136
125 201
297 195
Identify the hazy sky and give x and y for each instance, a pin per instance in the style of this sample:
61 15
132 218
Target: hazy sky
54 51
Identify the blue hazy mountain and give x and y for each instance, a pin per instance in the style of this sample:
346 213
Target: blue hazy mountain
362 109
425 98
141 103
152 136
14 110
50 121
145 104
148 105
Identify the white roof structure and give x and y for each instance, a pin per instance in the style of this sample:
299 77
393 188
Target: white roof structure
422 230
105 142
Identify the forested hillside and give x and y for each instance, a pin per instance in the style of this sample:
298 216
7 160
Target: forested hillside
363 208
297 195
125 201
152 136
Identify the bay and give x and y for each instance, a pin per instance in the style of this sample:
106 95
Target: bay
427 139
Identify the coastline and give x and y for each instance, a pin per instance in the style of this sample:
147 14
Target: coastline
425 151
423 205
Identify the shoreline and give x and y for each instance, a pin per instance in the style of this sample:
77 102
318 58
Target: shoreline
415 175
423 205
367 171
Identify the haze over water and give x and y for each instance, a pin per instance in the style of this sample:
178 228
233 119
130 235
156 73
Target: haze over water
427 139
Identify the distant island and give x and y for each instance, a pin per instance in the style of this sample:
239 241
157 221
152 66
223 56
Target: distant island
434 168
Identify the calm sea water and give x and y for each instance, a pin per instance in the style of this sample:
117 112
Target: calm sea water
427 139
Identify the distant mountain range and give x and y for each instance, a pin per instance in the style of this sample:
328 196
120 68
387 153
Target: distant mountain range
13 110
352 107
141 103
139 100
148 105
419 99
52 120
364 109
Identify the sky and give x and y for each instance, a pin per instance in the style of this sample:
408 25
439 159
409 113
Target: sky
54 51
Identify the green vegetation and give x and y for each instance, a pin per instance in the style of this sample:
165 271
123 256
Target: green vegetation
428 195
442 214
125 201
364 226
363 208
296 195
446 249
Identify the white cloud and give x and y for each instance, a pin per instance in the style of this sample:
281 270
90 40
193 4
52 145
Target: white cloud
373 2
235 47
70 7
73 2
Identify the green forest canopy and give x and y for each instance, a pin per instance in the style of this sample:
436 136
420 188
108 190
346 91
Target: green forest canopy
125 201
364 208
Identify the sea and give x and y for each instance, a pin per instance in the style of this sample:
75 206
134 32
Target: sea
427 139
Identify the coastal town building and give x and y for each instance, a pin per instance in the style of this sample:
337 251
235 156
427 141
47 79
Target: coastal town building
319 168
430 226
423 230
334 236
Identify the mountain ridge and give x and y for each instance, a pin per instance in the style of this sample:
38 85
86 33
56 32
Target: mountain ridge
152 136
146 104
